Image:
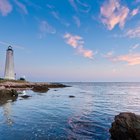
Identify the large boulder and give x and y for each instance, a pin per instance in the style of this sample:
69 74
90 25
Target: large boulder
126 127
40 88
6 95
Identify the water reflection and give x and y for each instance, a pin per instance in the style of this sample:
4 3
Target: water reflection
7 113
6 98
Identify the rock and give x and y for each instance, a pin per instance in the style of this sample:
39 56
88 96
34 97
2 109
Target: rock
126 127
40 88
71 96
57 85
6 95
25 96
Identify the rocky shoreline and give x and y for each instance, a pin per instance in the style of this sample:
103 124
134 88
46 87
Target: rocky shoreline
29 85
9 90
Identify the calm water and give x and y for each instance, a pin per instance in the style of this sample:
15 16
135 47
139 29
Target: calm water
55 116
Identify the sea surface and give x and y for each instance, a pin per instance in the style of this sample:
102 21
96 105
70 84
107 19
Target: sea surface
55 116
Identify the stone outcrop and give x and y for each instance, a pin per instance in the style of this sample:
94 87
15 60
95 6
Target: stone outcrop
40 88
6 95
126 127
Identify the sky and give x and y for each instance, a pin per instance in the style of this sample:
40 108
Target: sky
72 40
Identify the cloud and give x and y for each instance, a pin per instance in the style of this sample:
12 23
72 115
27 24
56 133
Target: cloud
45 27
86 53
135 46
109 54
50 6
73 4
5 7
113 13
74 40
135 12
77 42
77 21
7 44
131 59
132 48
84 7
133 33
57 17
137 1
80 6
21 6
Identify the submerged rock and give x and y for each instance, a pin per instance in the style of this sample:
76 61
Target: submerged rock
71 96
40 88
25 96
126 127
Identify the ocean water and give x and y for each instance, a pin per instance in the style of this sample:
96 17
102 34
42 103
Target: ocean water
55 116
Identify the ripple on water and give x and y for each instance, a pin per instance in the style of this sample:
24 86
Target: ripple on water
53 115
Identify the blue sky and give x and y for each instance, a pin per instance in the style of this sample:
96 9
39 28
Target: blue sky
72 40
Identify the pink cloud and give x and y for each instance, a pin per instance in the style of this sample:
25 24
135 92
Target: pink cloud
135 12
112 13
74 40
5 7
77 42
85 52
21 6
131 58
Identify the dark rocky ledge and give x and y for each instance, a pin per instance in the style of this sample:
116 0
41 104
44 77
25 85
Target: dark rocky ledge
126 127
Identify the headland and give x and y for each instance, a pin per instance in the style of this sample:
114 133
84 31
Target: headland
20 85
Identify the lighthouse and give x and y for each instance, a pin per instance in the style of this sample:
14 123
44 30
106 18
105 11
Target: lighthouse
9 64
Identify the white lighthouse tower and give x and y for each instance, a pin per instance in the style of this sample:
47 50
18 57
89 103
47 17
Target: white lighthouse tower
9 64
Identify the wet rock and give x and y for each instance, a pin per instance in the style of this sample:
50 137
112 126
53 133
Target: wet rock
25 96
6 95
126 127
57 85
71 96
40 88
55 90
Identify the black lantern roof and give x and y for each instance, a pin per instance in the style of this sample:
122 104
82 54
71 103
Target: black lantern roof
9 48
